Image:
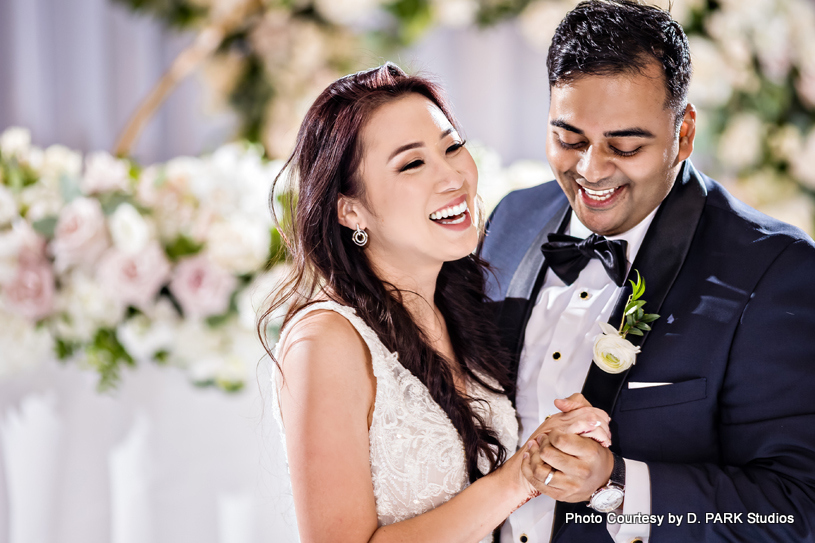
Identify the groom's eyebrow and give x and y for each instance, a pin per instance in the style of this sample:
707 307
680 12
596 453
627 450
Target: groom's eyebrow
624 133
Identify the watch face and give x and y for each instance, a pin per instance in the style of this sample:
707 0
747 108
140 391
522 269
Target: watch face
607 499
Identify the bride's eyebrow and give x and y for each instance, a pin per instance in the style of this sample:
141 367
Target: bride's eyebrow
416 144
406 147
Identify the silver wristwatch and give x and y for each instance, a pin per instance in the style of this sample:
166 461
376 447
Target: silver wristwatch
610 497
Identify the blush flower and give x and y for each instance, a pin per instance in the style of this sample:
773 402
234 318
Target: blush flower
80 235
31 292
201 287
134 278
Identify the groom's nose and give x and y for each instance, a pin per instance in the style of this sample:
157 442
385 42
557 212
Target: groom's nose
594 165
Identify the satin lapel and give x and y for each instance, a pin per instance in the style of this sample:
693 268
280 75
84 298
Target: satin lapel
659 260
524 286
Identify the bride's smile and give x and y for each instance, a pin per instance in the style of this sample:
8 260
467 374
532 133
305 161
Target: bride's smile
419 187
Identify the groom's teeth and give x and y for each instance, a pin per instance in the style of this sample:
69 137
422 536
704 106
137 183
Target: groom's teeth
599 195
451 211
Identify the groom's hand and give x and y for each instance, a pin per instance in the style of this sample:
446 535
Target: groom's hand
580 464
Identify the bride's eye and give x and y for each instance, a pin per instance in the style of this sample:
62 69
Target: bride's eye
455 147
411 165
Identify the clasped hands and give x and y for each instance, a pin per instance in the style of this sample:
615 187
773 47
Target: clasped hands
567 457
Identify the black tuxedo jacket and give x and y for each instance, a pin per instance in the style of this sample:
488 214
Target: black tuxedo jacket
735 431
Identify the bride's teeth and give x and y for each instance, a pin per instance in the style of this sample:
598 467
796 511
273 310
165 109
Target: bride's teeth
450 212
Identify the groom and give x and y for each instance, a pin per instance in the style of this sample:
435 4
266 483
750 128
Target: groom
713 429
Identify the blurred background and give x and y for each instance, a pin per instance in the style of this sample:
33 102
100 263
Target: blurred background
138 141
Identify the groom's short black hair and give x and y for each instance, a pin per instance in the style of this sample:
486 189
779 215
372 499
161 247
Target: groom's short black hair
611 37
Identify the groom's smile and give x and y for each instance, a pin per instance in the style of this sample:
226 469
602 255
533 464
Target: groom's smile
614 147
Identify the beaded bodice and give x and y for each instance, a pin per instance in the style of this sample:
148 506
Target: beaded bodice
417 457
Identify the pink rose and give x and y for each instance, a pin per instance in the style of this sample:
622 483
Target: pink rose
201 287
80 235
134 279
31 292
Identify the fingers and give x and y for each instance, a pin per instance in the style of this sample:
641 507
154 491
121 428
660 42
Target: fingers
599 435
535 470
575 401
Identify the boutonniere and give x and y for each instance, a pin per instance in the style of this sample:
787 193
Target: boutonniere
612 352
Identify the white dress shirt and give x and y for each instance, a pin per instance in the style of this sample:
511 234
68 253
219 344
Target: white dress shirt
556 357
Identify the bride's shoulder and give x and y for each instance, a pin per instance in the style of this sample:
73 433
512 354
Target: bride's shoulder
323 336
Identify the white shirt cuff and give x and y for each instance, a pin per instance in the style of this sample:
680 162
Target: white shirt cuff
637 500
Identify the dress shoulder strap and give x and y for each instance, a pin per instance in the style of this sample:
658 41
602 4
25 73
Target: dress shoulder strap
375 346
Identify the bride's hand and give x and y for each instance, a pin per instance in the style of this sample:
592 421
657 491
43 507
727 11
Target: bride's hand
577 417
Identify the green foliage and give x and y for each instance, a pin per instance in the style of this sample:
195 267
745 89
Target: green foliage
107 356
182 246
495 11
635 319
177 13
251 97
46 226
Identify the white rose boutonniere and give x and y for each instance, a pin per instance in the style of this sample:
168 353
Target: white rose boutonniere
612 352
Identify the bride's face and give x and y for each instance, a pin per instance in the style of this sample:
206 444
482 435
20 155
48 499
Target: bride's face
419 184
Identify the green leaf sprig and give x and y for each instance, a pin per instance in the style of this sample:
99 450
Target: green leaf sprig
635 320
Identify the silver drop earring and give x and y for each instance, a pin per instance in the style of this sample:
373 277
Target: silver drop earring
360 237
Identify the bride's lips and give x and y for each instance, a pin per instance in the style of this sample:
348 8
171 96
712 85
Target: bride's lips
600 198
455 215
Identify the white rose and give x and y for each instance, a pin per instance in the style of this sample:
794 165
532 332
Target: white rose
253 299
59 160
196 347
343 12
105 173
42 200
15 142
146 334
85 307
455 13
8 206
129 230
612 352
134 278
803 161
539 20
710 85
239 245
23 344
80 235
740 143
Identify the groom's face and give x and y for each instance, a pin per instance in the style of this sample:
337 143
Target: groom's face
613 146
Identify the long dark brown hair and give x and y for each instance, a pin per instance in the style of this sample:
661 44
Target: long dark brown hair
323 166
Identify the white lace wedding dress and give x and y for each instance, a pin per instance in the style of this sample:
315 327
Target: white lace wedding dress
417 456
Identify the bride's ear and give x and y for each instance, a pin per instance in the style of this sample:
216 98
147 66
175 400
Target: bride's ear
349 213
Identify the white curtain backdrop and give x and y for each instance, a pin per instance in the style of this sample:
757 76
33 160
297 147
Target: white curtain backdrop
159 461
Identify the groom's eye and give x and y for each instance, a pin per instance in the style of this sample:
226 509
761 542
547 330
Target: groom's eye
567 145
620 152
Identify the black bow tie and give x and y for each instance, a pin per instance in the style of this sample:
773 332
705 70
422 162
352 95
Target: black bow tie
567 256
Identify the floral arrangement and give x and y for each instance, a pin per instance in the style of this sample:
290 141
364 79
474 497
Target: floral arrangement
108 264
754 74
269 59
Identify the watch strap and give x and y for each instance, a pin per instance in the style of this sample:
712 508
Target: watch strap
618 471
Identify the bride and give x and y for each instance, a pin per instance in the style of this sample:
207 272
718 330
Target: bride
391 390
